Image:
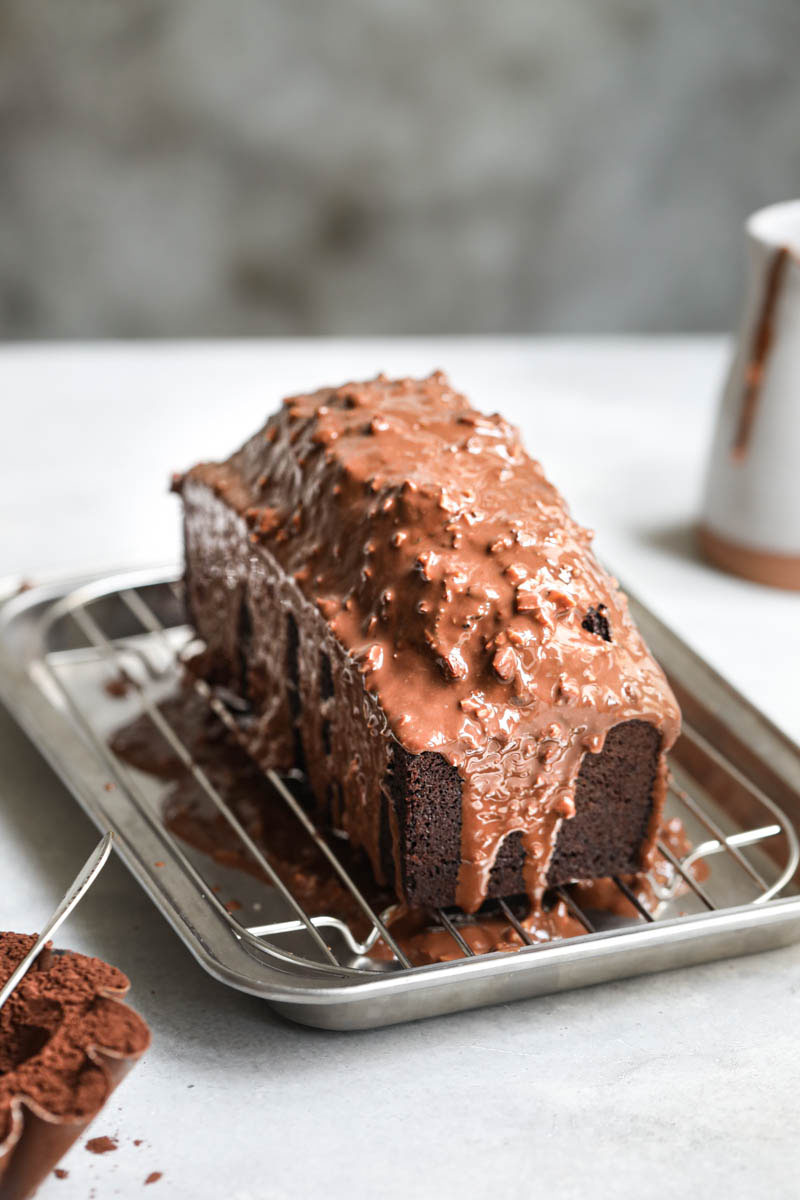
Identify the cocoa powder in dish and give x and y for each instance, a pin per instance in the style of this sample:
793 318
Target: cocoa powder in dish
54 1028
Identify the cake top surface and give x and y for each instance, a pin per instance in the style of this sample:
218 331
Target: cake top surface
58 1025
450 568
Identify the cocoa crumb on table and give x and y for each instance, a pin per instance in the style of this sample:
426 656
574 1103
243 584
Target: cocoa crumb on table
101 1145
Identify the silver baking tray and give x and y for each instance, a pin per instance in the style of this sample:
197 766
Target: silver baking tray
736 788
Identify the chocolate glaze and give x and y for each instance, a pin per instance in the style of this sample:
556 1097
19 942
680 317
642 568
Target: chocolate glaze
424 942
65 1042
117 687
759 352
466 613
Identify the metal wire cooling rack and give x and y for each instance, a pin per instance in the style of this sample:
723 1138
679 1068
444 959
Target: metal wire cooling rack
62 643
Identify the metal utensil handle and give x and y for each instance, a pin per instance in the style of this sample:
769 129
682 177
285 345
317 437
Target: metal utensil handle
80 886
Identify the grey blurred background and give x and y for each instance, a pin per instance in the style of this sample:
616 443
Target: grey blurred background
218 167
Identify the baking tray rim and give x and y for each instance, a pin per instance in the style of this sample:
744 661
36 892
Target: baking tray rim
297 982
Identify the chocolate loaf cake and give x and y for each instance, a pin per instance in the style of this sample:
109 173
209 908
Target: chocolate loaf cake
401 599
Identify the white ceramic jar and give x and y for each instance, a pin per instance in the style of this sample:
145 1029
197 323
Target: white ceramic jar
750 521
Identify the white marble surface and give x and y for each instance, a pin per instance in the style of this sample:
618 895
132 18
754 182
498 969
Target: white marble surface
682 1082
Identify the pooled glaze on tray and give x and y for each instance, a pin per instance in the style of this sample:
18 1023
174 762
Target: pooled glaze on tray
449 569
